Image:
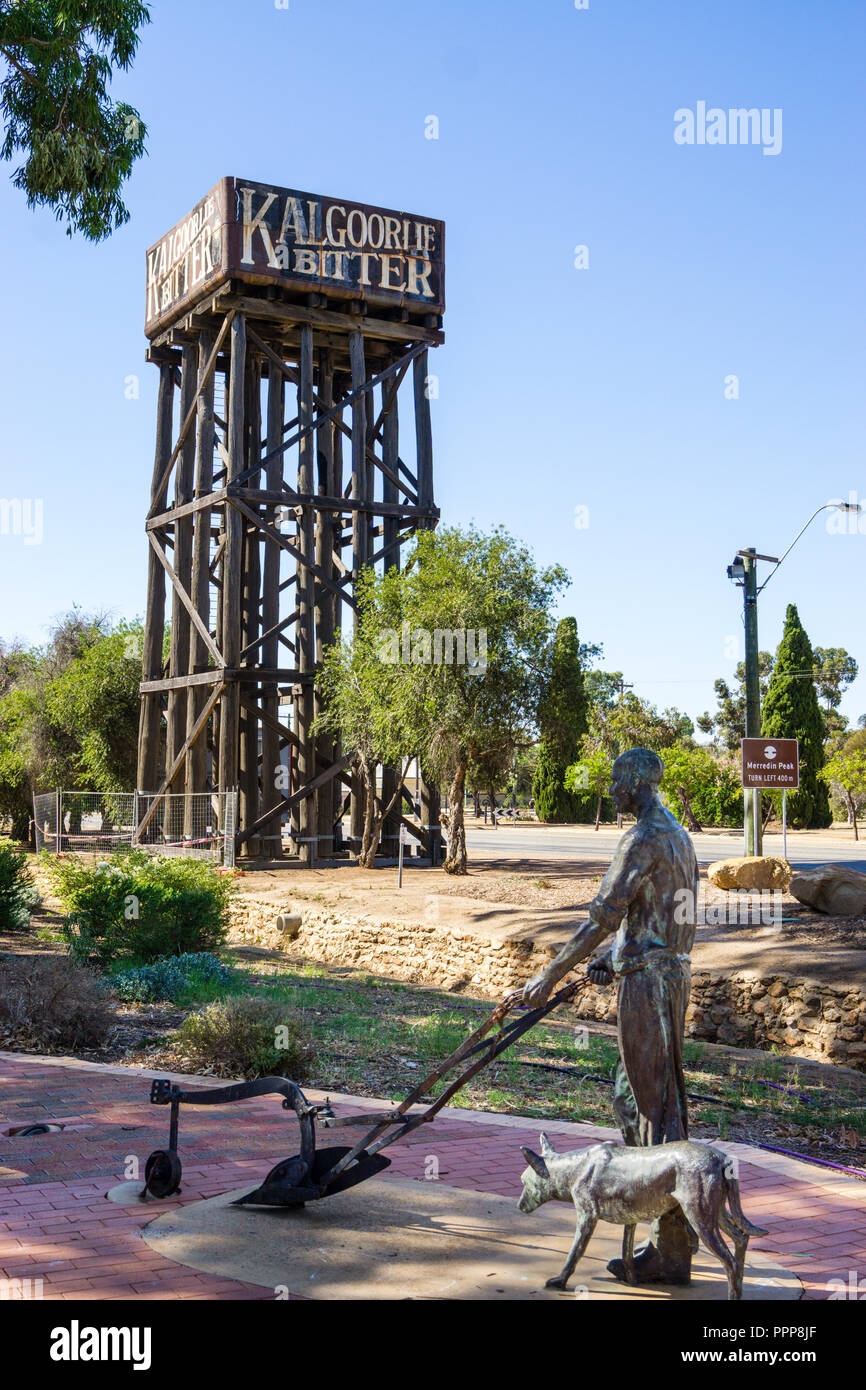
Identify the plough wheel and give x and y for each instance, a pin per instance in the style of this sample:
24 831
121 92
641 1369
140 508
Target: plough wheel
162 1173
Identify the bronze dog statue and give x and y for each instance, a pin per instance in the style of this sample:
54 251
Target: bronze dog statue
624 1185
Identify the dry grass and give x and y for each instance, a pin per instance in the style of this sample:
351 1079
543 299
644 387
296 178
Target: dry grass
50 1004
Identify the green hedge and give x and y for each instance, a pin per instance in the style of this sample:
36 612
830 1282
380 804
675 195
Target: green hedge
139 907
18 893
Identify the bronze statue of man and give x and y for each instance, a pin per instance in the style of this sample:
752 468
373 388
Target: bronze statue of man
646 902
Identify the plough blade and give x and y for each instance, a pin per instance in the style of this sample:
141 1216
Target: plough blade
366 1166
290 1184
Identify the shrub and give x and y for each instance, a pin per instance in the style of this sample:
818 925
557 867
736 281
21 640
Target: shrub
554 802
50 1004
140 907
249 1036
18 893
171 977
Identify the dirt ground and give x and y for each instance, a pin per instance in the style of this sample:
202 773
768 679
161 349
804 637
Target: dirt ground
542 900
546 900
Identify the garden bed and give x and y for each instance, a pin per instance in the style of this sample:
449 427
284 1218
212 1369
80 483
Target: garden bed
375 1034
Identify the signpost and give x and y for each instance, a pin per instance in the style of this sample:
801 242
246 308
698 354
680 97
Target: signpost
405 839
770 765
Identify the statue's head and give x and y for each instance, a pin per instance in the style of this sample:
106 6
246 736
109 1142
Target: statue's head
635 775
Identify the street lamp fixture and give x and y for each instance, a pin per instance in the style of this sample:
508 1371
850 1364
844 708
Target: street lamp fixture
827 507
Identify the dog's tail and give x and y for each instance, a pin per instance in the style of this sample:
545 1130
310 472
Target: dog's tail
735 1210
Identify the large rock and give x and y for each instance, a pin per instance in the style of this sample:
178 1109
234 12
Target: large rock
756 872
833 889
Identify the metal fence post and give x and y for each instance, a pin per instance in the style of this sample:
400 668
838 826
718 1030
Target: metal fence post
229 825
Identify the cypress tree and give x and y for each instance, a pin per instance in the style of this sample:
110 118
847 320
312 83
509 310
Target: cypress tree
791 710
562 721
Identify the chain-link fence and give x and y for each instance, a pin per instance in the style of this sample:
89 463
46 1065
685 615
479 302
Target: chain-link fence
84 822
191 825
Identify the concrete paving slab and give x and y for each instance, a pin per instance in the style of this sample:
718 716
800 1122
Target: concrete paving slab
397 1239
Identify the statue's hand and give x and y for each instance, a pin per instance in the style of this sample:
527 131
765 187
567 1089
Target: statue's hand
599 971
536 991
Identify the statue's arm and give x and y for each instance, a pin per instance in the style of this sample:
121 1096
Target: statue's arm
631 863
588 935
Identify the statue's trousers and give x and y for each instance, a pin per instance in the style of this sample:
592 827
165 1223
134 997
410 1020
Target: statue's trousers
650 1091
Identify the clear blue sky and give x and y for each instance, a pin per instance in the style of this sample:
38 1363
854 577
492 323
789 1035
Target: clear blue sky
560 387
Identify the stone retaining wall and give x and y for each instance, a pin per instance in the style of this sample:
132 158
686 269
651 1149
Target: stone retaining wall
822 1022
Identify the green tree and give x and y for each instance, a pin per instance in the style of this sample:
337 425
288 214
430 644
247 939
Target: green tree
591 774
69 713
602 688
359 703
522 775
463 638
97 697
845 772
16 663
79 146
835 670
634 722
562 723
791 710
855 740
701 786
728 725
16 787
689 769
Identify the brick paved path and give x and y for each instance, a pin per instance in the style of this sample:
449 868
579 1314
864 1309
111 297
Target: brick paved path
56 1224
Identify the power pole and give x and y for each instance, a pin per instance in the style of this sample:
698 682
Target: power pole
745 573
753 827
624 685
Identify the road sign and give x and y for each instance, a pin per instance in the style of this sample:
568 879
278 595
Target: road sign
772 764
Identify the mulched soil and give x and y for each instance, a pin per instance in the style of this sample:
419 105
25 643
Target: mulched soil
526 890
816 929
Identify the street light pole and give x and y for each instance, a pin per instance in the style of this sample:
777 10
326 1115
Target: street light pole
752 822
745 570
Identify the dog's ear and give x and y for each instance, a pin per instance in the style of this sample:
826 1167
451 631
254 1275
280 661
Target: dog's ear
546 1147
536 1162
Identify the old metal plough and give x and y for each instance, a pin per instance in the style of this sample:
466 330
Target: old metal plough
314 1173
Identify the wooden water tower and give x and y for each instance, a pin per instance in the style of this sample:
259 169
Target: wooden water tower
291 332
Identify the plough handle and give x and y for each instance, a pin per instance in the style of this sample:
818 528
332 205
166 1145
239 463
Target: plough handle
382 1133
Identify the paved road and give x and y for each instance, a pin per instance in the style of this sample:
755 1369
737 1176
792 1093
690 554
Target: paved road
564 843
